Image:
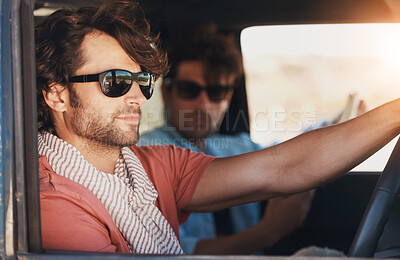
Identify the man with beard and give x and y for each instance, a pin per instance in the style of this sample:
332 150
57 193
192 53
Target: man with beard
100 192
206 67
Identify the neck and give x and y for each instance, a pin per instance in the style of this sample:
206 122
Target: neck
199 143
100 155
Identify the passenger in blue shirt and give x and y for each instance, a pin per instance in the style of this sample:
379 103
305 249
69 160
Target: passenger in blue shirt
206 67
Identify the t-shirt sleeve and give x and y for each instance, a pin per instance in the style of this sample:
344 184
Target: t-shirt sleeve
67 226
72 218
189 169
176 173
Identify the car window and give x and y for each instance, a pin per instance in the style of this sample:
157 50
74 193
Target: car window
300 77
153 111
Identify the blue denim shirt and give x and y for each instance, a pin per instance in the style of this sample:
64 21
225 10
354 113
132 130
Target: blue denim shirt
200 226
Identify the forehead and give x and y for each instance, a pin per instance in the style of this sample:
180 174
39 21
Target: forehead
102 52
196 71
189 70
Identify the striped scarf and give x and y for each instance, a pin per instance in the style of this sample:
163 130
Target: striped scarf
128 195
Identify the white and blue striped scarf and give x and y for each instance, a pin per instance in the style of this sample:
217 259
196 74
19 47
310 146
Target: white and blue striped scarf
128 195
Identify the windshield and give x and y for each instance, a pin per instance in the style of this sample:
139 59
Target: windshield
300 77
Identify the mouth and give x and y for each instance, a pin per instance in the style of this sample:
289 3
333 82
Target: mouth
129 118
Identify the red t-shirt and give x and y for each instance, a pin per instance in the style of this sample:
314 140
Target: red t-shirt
73 218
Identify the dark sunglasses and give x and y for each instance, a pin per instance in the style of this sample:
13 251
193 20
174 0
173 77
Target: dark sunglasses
190 90
116 83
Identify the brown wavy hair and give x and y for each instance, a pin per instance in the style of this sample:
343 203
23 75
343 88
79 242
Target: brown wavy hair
216 50
59 37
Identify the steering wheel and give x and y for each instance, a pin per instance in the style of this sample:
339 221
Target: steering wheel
379 207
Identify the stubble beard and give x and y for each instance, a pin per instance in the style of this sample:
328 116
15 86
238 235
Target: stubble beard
95 127
196 131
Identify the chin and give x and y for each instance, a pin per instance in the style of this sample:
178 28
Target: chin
199 134
120 143
120 138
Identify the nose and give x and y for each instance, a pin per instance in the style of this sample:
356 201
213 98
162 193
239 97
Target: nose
202 100
134 96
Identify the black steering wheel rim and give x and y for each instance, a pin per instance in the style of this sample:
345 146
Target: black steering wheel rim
378 209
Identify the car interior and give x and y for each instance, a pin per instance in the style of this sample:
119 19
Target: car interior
357 214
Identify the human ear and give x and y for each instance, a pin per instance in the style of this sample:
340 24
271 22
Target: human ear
56 98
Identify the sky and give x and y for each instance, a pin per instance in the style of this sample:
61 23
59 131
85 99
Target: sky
367 40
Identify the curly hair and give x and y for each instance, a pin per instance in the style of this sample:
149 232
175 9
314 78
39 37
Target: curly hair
218 52
59 37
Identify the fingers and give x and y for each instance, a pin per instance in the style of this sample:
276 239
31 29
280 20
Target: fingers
362 108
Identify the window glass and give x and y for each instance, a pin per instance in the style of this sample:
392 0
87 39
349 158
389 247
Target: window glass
153 111
303 76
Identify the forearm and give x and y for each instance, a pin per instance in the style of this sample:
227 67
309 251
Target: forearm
299 164
249 241
325 154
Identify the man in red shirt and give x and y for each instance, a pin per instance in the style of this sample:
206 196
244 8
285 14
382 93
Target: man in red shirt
95 69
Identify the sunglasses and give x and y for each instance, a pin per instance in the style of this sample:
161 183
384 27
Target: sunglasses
190 90
116 83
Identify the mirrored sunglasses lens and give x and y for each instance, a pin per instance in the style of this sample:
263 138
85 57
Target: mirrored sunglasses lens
147 91
123 80
107 83
116 83
146 82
